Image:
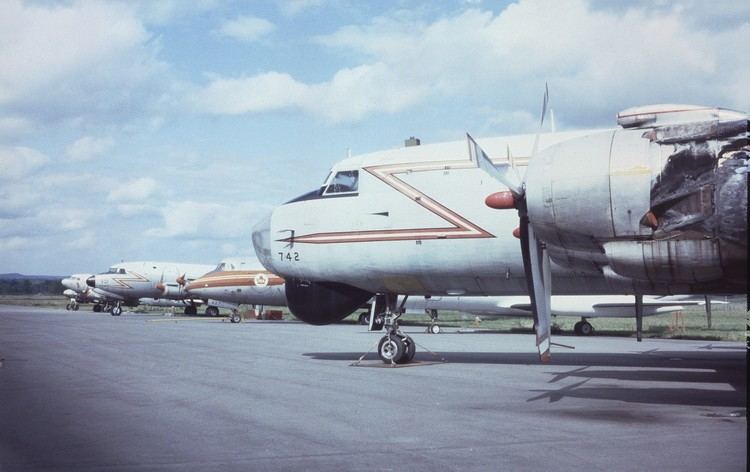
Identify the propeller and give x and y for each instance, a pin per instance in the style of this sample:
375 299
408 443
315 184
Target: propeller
536 262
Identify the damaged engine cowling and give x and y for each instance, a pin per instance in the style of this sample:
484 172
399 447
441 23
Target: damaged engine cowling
662 200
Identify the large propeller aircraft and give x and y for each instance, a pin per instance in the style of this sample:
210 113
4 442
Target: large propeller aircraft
236 282
655 206
133 281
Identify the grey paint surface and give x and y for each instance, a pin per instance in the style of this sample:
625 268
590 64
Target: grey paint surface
85 391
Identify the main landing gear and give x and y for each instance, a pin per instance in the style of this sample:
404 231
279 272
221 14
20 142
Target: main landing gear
395 347
212 311
116 309
583 328
72 305
434 327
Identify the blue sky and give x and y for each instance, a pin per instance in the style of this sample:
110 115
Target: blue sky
164 129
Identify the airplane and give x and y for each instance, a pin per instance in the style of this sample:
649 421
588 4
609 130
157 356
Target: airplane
584 307
656 205
133 281
238 282
78 292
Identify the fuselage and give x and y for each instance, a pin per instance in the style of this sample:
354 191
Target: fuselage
239 283
656 206
413 220
147 279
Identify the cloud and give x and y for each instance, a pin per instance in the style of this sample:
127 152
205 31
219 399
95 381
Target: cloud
351 94
295 7
80 61
88 147
246 28
19 161
15 243
596 61
133 190
189 219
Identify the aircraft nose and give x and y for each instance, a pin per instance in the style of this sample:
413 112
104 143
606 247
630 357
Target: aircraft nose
67 283
262 241
91 281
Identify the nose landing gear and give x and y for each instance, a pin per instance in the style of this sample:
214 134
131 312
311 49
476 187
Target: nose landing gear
395 347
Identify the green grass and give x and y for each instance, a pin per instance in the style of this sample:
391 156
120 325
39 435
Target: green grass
729 322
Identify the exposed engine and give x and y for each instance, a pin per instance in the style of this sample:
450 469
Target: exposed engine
665 200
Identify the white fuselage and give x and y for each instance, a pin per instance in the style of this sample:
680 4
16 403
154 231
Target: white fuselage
250 286
594 306
136 280
416 224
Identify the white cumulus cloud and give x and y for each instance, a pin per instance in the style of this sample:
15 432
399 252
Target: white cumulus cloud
247 28
133 190
18 161
88 147
596 60
189 219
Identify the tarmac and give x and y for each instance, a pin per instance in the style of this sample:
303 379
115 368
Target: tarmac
89 391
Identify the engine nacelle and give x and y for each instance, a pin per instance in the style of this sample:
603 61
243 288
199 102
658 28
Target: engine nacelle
662 203
171 291
322 303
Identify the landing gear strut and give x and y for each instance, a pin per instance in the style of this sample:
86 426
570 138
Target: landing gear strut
395 347
434 327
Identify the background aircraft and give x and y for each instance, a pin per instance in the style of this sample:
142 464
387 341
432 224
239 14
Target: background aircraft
236 281
655 206
133 281
584 307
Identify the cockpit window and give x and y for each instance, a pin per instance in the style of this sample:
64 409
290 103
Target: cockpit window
345 181
112 270
219 267
121 271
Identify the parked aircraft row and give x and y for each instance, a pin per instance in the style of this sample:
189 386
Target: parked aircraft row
654 207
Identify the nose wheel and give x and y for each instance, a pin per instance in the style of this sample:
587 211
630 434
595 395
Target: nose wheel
396 348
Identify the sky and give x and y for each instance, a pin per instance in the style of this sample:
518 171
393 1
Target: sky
163 130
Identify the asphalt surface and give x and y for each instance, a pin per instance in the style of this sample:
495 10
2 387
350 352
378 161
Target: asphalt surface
88 391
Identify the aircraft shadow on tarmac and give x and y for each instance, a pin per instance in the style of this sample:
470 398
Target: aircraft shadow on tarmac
702 367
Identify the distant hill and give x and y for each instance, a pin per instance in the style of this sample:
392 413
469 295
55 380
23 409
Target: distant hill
17 276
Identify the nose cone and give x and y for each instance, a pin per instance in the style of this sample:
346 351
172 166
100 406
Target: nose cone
69 283
262 241
91 281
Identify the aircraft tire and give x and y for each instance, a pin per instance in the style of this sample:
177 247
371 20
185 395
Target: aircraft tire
586 329
116 311
97 308
235 318
212 311
410 349
434 329
74 307
364 319
577 328
391 349
67 307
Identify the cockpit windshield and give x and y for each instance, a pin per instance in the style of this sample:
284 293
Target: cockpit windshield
116 270
345 181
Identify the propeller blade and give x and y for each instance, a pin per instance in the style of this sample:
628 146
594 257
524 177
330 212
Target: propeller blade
542 280
505 172
545 103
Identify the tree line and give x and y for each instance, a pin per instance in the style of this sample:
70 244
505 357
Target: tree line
23 286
